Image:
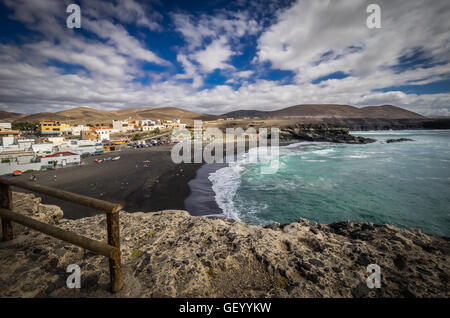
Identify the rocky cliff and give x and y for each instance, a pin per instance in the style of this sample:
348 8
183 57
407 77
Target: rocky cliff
174 254
321 132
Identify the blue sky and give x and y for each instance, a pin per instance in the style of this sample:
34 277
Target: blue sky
217 56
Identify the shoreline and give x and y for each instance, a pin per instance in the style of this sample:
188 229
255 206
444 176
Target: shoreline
161 185
201 200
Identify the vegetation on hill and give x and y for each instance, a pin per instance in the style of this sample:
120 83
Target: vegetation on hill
24 126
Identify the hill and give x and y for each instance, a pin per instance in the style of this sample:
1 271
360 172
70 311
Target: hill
10 116
42 117
86 112
84 115
388 111
329 111
165 113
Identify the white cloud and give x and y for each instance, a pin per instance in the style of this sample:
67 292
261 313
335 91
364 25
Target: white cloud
297 42
190 71
123 41
245 74
126 11
310 29
197 30
211 40
214 56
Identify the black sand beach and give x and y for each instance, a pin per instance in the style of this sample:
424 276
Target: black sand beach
138 186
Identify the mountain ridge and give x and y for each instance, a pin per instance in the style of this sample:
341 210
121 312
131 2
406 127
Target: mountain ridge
330 111
88 114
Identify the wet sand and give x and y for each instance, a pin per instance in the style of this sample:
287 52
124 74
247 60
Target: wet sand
159 186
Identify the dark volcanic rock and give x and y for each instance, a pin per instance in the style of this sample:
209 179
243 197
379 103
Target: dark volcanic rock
398 140
400 262
322 132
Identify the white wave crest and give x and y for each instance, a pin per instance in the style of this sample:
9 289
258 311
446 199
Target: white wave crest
225 182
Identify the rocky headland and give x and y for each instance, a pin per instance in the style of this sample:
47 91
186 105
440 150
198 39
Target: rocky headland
322 132
173 254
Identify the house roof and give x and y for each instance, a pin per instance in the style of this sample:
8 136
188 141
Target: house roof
9 132
60 154
18 152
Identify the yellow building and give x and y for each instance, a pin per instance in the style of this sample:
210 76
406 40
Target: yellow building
88 135
9 133
108 148
52 127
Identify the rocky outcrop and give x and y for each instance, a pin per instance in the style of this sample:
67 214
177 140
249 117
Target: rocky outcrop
174 254
321 132
398 140
358 124
31 205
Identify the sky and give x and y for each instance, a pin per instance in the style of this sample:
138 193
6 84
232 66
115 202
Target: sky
218 56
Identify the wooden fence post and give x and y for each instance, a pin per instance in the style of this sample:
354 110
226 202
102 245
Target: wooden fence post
111 250
6 203
115 271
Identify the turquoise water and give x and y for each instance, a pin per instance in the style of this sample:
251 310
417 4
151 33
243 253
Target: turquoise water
406 184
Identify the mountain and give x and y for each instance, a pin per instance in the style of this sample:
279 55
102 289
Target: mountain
389 111
245 113
10 116
329 111
83 115
85 112
165 113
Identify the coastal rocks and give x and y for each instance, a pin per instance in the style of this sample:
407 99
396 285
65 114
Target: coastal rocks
321 132
31 205
173 254
398 140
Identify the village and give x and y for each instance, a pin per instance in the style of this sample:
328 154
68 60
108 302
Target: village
55 144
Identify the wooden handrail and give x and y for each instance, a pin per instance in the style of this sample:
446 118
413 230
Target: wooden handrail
110 250
67 236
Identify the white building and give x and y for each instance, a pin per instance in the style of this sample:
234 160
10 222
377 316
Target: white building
10 140
61 159
151 128
146 122
43 149
12 160
56 141
25 144
17 156
5 126
75 131
122 125
82 147
7 141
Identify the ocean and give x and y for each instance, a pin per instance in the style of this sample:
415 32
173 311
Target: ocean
406 184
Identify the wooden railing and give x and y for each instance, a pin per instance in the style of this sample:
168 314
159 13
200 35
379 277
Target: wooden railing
110 249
